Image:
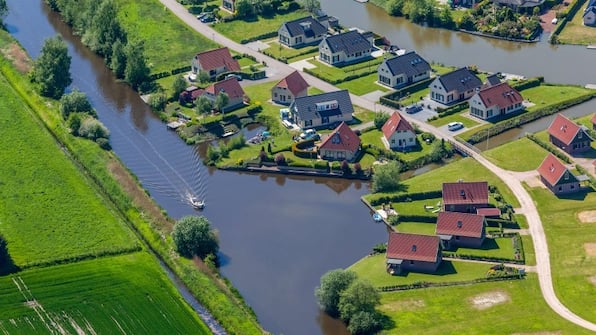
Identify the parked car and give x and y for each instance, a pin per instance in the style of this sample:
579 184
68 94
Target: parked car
309 134
453 126
208 19
200 16
413 109
233 75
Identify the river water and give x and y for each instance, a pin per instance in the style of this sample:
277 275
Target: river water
278 234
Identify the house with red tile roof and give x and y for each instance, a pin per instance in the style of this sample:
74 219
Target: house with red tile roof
398 133
465 197
557 177
489 212
495 101
214 62
413 252
568 136
289 88
342 144
229 86
460 230
594 122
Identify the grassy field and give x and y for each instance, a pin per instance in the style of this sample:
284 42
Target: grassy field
124 294
373 269
169 42
575 32
506 155
416 227
451 310
468 122
572 247
497 247
466 169
545 95
49 211
374 137
330 73
239 30
363 85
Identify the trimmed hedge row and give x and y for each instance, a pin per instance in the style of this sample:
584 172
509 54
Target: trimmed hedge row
483 258
392 99
406 197
164 74
527 117
417 218
549 147
529 83
285 59
565 16
339 81
298 149
443 284
259 37
502 223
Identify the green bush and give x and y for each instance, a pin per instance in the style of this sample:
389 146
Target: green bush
379 199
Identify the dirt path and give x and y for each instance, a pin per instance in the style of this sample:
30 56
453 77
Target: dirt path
512 180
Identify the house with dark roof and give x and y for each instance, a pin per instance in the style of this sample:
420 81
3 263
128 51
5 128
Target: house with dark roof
403 70
589 15
492 80
229 86
465 197
495 101
229 5
568 136
556 176
413 252
342 144
455 86
299 32
344 48
398 133
322 110
460 230
328 21
214 62
289 88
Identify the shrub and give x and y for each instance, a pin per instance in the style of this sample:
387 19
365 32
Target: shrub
75 102
386 177
104 143
93 129
380 119
193 236
345 167
280 159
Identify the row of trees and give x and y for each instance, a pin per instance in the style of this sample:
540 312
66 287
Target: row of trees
97 24
250 8
422 11
3 10
341 294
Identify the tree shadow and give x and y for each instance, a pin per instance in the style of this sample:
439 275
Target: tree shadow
446 268
386 322
591 154
7 265
578 196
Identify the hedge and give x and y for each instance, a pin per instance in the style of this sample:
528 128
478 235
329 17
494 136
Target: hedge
527 117
285 59
502 223
339 81
259 37
453 109
417 218
442 284
529 83
405 197
298 149
390 99
565 16
549 147
483 258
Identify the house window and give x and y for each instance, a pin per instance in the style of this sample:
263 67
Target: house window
411 139
411 262
307 123
299 39
400 80
392 141
560 188
457 238
385 80
335 59
572 186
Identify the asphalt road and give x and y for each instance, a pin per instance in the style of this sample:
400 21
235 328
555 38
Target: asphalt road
512 180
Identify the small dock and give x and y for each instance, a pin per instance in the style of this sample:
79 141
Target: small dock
591 86
592 46
175 125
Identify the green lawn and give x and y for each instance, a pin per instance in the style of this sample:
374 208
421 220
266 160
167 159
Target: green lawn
467 169
545 95
125 294
529 249
572 247
416 227
48 211
416 207
330 73
291 54
373 269
468 122
169 43
372 137
575 32
497 247
363 85
239 30
507 155
450 311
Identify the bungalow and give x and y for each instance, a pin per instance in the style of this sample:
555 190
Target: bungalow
342 144
460 230
214 62
556 176
403 70
229 5
299 32
322 110
348 47
398 133
568 136
413 252
465 197
497 100
289 88
455 86
229 86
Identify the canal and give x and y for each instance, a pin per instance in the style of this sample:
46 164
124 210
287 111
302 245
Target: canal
278 234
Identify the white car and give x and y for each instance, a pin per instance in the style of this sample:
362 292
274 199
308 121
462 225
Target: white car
453 126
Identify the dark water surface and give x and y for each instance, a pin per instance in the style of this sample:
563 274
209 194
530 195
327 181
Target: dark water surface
278 234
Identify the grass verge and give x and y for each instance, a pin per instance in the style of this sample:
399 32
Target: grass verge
506 156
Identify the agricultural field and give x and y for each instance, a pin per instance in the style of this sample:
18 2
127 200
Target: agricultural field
509 307
126 294
49 211
505 156
169 42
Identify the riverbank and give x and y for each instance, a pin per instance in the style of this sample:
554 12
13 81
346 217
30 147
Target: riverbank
115 182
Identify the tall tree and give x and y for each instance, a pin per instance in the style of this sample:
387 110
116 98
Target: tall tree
118 59
136 71
221 101
178 86
311 6
105 29
386 177
75 102
333 283
193 236
360 296
52 68
203 105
